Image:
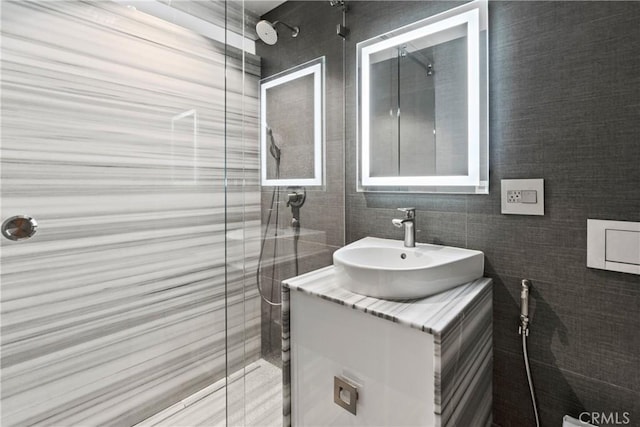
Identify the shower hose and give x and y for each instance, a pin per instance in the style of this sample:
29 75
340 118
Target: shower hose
524 333
275 200
526 364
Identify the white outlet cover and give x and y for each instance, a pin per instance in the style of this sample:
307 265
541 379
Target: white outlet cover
536 185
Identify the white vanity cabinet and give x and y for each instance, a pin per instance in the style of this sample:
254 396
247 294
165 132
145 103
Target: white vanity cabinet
392 366
417 363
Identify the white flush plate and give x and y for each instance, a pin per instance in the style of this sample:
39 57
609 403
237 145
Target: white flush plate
613 245
522 196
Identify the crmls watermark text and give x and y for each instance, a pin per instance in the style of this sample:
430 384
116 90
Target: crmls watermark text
607 418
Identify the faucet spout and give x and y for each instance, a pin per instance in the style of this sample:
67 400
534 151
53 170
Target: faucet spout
409 223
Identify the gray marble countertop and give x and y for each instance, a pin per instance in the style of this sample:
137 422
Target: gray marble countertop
433 314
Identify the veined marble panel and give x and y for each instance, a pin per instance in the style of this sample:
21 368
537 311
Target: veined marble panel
118 132
238 19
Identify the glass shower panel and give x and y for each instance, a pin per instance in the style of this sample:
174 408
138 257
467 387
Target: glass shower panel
243 219
113 139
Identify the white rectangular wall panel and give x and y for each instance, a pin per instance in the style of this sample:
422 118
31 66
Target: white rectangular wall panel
613 245
622 246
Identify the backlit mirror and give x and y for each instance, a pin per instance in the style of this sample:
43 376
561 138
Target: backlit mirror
423 105
292 126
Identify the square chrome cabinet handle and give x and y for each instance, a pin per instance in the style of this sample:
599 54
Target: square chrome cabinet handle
345 394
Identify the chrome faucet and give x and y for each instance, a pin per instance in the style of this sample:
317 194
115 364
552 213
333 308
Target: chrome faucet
409 224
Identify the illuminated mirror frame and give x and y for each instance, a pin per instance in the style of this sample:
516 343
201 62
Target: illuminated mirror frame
473 15
315 68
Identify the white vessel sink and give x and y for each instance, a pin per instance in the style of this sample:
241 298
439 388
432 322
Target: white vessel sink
384 268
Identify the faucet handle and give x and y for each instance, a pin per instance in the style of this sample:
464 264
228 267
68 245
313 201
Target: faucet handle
410 213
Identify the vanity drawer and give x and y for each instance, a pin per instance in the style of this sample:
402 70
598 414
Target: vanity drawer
391 365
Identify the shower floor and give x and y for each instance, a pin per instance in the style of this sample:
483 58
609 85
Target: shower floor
262 402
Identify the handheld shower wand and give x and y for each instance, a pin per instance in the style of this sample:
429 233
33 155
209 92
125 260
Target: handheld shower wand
524 307
274 150
523 330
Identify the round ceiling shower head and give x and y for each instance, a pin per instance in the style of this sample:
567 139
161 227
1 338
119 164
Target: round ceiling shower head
268 34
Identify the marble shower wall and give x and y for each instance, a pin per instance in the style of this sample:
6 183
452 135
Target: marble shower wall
113 138
223 13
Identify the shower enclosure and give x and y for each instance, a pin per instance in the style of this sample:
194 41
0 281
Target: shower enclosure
132 142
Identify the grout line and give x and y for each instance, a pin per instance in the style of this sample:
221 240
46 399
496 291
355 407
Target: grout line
570 372
168 412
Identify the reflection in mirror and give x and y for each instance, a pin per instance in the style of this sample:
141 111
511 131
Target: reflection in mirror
293 135
184 147
423 114
292 129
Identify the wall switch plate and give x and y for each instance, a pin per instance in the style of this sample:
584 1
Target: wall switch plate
522 196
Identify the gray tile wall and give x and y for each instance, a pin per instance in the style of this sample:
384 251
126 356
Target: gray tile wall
564 106
322 216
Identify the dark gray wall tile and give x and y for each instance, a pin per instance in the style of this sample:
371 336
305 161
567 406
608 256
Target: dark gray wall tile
564 90
322 216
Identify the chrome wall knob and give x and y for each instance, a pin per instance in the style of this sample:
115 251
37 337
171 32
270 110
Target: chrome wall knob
19 227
